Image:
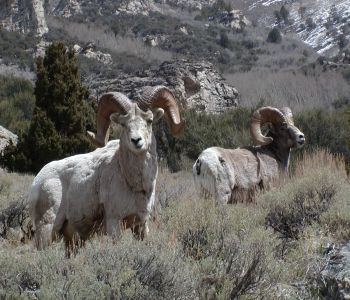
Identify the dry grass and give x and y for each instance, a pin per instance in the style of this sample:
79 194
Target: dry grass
289 88
13 187
105 39
196 248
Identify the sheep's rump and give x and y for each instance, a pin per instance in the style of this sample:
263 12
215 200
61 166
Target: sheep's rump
212 176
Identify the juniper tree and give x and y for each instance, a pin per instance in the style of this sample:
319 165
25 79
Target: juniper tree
274 36
61 114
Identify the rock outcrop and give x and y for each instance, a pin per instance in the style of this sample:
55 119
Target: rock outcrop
5 137
144 7
136 7
335 277
23 16
233 19
91 52
196 85
64 8
194 4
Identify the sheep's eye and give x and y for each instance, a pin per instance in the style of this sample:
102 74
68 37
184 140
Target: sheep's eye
149 122
284 126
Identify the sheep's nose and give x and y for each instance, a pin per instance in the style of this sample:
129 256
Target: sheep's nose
136 140
301 139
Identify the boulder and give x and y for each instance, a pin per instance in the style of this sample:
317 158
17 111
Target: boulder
5 137
90 51
153 40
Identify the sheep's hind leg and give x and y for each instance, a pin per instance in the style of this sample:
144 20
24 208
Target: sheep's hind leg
42 236
43 230
72 240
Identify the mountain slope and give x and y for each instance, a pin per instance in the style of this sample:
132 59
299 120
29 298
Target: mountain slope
318 23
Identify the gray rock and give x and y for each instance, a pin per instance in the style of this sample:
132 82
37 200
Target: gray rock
64 8
23 16
195 85
91 52
5 137
233 19
194 4
136 7
335 277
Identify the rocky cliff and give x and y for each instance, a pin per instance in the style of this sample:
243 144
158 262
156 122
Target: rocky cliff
196 85
318 23
23 16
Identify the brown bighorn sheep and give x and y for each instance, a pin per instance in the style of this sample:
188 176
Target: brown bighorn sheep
234 175
112 187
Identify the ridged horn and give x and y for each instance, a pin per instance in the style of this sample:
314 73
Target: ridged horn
288 114
160 96
263 115
109 103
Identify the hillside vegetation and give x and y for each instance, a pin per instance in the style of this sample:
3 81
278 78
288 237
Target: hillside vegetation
279 248
197 248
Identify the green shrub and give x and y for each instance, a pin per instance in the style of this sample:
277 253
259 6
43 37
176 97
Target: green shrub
346 74
310 23
15 215
60 118
224 40
325 128
285 14
274 36
16 103
306 207
17 48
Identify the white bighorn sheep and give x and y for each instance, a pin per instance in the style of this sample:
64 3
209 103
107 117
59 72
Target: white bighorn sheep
234 175
111 188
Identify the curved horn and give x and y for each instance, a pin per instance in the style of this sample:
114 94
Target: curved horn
261 116
109 103
161 96
288 114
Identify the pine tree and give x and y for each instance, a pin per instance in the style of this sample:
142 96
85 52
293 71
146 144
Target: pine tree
61 114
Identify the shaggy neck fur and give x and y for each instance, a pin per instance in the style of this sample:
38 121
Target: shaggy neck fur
281 154
139 170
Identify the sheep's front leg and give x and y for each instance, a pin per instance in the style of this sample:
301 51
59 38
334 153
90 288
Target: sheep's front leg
114 227
140 231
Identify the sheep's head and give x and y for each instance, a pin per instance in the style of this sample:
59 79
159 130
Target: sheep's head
136 118
137 124
282 128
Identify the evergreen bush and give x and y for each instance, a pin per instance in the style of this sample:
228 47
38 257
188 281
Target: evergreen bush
274 36
60 118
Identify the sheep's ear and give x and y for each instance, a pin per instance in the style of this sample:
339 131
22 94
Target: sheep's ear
157 114
271 127
118 118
